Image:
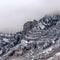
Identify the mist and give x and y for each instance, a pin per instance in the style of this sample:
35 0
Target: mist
14 13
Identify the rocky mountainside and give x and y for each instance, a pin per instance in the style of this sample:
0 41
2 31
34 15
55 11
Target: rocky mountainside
39 40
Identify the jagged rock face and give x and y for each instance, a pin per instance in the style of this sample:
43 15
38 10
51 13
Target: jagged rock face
7 41
42 38
41 42
49 21
29 25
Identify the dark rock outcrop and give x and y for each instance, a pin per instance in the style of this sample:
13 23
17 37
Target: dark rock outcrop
29 25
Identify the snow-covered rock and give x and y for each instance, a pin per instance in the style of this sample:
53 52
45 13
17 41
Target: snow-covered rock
5 39
40 42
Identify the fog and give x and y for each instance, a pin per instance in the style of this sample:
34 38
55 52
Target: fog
14 13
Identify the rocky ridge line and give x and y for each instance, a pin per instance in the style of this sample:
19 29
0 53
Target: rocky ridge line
40 41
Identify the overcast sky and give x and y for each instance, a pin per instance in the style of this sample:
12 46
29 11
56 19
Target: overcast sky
14 13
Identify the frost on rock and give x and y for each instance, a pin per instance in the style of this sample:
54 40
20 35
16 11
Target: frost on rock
41 26
39 40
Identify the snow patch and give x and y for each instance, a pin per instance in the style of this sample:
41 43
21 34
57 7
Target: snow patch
41 26
24 42
5 39
57 54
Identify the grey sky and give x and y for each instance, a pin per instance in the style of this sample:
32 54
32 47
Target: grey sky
14 13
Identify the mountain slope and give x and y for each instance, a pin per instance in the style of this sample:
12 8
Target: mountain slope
39 43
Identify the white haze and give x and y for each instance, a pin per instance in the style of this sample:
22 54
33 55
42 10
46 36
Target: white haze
14 13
